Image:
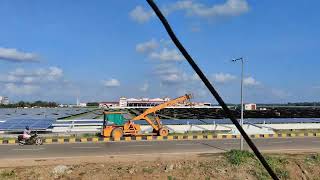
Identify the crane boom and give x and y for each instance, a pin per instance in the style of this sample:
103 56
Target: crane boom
162 106
145 114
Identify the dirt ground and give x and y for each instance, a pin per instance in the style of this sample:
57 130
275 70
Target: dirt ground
171 167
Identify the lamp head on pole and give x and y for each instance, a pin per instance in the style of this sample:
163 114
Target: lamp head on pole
237 59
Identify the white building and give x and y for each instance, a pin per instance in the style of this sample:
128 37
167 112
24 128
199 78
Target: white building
142 102
82 105
108 104
4 100
123 102
250 107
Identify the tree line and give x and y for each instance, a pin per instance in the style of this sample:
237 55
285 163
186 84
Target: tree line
30 104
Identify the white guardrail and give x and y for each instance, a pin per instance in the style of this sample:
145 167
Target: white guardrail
95 126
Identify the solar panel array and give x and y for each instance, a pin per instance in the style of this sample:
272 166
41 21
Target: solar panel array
228 121
20 124
198 121
40 113
43 118
209 113
38 118
91 115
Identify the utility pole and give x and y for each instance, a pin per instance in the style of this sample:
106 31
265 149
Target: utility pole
241 120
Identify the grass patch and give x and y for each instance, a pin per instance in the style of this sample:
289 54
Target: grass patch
238 157
278 165
171 178
7 174
313 159
147 170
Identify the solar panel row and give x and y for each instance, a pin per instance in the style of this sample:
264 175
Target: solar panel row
211 121
40 113
20 124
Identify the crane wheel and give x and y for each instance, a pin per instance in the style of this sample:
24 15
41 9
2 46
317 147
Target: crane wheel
163 132
117 133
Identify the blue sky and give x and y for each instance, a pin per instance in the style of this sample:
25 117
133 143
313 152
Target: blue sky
101 50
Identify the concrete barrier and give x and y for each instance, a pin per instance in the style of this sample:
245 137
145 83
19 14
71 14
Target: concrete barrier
165 138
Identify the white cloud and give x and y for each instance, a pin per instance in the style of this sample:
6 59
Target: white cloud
192 8
147 46
111 83
23 89
28 80
223 77
250 81
140 15
230 8
37 76
145 87
169 74
13 55
159 50
171 78
167 55
55 73
31 81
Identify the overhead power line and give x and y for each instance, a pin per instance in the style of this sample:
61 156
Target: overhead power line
210 87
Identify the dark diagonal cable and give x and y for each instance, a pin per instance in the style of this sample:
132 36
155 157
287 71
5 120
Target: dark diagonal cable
211 88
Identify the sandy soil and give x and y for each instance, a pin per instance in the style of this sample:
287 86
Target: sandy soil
188 166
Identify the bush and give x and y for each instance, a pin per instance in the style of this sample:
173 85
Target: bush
237 157
7 174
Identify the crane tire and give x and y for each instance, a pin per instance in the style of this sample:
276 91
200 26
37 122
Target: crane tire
117 133
163 132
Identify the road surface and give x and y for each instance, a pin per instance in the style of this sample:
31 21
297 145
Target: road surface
310 144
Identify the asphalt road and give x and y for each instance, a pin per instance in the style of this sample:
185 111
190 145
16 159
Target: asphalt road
155 147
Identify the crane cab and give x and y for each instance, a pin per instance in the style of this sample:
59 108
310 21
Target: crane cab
116 126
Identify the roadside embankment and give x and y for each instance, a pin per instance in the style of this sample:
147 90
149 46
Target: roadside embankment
231 165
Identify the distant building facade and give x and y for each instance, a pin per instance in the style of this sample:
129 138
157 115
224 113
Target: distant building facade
142 102
250 107
108 104
123 102
82 105
4 100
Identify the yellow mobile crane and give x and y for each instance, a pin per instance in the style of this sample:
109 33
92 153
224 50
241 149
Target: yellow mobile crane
131 129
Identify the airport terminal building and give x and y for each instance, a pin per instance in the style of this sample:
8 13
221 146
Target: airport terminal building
142 102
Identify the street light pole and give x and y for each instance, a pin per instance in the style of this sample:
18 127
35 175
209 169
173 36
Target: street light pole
241 120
